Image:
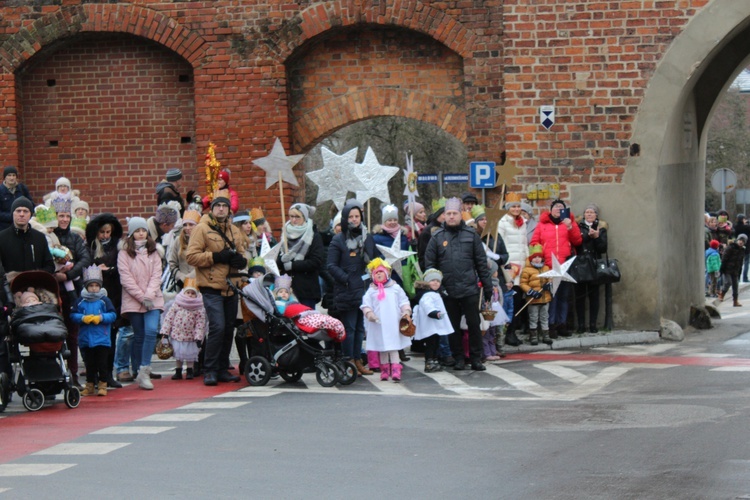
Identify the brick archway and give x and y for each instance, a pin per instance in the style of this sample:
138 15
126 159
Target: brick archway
408 14
70 21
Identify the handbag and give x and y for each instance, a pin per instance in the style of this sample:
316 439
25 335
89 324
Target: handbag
164 349
583 269
607 270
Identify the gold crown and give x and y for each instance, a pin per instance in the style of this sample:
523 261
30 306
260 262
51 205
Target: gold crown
515 197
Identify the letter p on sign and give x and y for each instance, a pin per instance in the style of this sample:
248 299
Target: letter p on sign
482 174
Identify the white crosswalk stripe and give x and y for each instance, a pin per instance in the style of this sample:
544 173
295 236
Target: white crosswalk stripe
214 405
176 417
11 470
82 449
132 430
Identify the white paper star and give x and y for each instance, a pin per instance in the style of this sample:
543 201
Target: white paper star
558 273
269 255
278 162
374 177
410 180
337 177
394 255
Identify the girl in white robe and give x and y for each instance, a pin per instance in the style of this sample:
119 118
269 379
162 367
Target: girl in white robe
383 305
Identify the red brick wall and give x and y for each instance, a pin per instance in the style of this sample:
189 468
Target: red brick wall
591 59
118 113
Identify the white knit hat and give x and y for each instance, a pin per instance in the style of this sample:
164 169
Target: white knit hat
63 181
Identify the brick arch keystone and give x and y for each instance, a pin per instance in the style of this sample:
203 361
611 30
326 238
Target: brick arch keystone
108 18
319 122
409 14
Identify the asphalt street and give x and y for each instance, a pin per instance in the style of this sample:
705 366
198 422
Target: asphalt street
655 420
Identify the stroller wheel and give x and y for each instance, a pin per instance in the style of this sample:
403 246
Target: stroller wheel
72 397
257 371
5 392
347 371
327 374
291 377
33 400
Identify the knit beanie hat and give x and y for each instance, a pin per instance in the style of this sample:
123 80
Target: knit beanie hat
714 244
136 223
492 265
241 216
412 208
594 207
742 237
336 219
9 170
22 201
173 174
469 197
557 202
63 181
79 204
220 199
27 295
224 175
389 212
432 274
306 210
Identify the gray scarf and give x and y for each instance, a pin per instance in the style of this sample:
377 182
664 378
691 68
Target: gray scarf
299 239
86 295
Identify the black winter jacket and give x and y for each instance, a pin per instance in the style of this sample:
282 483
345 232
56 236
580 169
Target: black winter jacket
81 256
305 272
594 246
459 255
110 277
731 261
25 251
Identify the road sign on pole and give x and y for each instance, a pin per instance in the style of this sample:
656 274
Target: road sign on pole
482 174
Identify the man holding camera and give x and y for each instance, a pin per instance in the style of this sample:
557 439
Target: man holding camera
215 250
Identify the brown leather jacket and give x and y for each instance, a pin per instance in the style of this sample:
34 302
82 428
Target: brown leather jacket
204 241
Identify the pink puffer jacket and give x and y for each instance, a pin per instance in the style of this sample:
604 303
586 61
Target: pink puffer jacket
141 279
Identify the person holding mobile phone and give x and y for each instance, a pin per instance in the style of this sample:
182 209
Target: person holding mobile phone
558 235
594 235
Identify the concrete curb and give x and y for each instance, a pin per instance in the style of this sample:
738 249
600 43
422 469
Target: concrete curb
589 341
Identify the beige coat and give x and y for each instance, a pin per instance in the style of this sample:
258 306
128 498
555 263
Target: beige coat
204 241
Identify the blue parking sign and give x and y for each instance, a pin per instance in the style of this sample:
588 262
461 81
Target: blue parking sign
482 174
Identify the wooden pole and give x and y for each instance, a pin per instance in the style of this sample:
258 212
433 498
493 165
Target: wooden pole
283 214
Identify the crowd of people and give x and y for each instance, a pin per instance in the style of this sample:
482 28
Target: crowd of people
727 254
167 278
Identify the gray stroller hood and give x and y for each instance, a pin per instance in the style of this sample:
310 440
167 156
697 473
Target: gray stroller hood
258 298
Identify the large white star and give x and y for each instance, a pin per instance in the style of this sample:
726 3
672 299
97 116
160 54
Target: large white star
394 255
269 255
337 177
277 162
558 273
374 177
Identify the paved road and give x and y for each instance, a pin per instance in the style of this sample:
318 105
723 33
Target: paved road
665 420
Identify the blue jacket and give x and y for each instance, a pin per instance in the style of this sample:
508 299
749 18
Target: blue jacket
92 335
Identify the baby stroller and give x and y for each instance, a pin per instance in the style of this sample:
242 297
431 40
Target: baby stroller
276 345
37 347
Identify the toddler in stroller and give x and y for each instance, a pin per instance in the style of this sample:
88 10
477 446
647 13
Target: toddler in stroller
289 344
37 344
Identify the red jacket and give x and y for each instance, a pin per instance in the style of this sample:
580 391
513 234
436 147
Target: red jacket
556 238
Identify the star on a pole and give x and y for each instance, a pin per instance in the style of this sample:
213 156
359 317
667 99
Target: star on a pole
558 273
277 162
410 180
269 255
493 215
337 177
394 255
506 173
374 177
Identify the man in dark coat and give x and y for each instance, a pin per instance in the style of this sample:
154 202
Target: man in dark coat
169 189
21 247
731 266
457 251
10 191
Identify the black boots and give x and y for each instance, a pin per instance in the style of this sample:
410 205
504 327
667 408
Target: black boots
512 339
189 374
177 374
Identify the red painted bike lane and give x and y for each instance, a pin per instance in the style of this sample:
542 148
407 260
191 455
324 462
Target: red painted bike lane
24 433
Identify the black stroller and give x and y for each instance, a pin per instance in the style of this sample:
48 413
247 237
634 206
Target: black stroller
276 345
36 347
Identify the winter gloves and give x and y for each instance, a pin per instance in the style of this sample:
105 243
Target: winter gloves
92 318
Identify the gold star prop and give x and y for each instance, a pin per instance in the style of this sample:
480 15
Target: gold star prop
493 215
506 173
